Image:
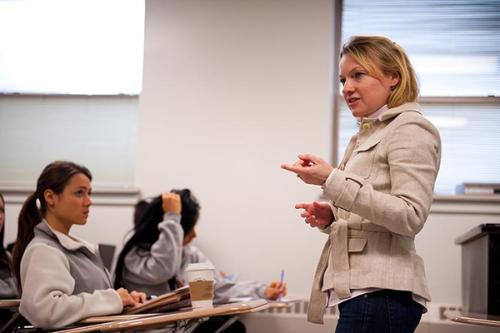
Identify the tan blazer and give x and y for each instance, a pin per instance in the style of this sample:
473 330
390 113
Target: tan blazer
381 195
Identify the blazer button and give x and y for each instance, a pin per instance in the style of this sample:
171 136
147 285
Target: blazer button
366 126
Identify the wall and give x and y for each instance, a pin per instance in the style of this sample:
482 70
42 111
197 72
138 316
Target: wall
232 89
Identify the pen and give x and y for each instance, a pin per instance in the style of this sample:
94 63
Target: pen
282 279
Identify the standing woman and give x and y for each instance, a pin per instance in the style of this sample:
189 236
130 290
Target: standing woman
380 196
62 278
8 287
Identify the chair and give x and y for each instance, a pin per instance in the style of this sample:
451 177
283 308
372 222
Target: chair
107 253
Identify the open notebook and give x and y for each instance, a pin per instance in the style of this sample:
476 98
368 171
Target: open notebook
167 302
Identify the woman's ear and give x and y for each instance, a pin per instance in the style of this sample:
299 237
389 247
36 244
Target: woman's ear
395 78
50 197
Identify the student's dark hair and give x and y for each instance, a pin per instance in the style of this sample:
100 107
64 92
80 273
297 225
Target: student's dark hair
146 222
55 177
4 258
139 209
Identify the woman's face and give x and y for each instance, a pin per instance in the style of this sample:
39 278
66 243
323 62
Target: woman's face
363 93
2 213
72 205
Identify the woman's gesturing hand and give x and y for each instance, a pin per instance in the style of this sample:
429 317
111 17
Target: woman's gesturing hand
311 169
316 214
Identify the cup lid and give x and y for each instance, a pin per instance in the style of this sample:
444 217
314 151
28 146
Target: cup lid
201 266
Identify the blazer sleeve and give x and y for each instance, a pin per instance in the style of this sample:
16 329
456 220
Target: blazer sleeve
163 260
413 154
47 299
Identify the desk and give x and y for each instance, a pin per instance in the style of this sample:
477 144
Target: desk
9 303
122 317
8 308
280 304
473 318
161 320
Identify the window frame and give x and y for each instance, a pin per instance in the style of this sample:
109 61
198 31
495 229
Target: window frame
443 199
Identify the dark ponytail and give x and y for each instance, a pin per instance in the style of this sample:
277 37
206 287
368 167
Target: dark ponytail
28 218
54 177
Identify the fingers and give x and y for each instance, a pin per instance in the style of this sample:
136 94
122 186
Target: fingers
138 296
276 289
127 300
171 202
290 167
300 164
310 168
305 214
302 205
311 159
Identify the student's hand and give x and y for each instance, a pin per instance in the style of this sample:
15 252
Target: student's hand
127 299
311 169
275 289
171 202
316 214
138 296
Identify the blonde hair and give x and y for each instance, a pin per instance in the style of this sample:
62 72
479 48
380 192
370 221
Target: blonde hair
380 55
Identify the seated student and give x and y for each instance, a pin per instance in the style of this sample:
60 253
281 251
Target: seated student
62 278
154 259
8 287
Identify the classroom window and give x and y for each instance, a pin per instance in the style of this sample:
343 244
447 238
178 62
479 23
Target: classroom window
455 49
84 47
71 74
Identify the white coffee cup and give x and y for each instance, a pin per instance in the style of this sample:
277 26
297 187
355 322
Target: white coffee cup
201 281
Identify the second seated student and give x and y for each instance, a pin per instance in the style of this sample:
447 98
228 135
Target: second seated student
62 278
154 259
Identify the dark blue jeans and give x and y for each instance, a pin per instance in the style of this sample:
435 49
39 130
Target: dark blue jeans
384 311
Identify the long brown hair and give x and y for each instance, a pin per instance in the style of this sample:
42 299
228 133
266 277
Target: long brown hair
54 177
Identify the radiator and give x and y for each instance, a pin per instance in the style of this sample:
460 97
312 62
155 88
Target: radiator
293 320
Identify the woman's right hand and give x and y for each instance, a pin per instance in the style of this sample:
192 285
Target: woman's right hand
129 299
316 214
171 202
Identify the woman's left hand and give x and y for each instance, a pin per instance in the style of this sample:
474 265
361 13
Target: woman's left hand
316 214
311 169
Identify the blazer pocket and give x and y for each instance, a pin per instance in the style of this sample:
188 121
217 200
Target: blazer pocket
362 160
356 244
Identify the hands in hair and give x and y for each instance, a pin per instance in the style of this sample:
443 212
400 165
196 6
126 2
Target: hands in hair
171 202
